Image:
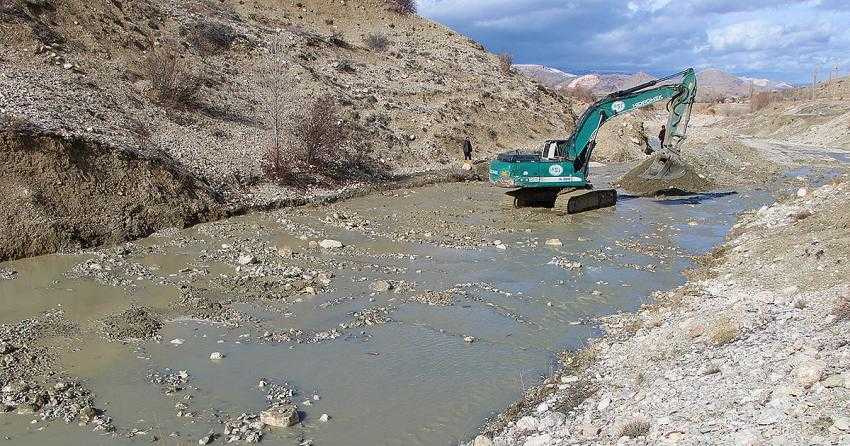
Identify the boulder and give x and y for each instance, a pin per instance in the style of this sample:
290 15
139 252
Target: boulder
281 416
245 259
482 440
330 244
809 372
526 424
381 286
538 440
554 242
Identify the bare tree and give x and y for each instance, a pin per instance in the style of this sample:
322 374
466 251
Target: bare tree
505 63
277 164
320 131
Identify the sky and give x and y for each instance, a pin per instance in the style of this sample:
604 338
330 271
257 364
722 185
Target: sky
776 39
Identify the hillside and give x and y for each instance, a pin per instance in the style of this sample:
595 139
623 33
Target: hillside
83 74
549 77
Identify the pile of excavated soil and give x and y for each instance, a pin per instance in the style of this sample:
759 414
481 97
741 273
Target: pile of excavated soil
691 182
133 323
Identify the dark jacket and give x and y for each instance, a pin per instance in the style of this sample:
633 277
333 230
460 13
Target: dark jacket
662 134
467 147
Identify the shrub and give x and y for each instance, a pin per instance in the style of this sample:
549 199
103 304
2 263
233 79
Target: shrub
759 101
211 38
376 42
277 165
320 131
635 429
404 7
172 82
338 39
505 63
724 332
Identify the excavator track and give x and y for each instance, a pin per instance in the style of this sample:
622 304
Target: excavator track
577 200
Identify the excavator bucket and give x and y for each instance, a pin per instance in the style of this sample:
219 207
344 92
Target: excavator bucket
665 167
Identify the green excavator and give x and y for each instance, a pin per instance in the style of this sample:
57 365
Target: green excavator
561 167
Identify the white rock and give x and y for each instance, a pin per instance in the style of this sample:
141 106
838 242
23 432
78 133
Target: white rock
604 403
554 242
330 244
177 341
768 417
802 192
324 418
552 420
482 440
543 407
216 356
809 372
526 424
469 339
381 286
280 416
245 259
841 423
566 379
538 440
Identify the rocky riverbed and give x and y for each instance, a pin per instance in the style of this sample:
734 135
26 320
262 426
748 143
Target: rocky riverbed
228 330
753 350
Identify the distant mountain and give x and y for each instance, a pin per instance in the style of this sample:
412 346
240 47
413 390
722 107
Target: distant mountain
607 83
549 77
599 84
712 82
767 83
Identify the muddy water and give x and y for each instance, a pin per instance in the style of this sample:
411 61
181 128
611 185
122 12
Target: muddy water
410 378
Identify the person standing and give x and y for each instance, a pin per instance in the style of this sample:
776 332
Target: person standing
662 134
467 150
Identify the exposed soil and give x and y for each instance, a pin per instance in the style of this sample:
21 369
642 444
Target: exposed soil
690 183
133 323
73 193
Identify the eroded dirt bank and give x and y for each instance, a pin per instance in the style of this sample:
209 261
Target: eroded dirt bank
63 194
752 350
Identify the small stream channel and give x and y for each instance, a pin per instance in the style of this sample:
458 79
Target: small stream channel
410 380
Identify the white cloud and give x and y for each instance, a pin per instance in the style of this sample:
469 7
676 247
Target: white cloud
749 35
759 38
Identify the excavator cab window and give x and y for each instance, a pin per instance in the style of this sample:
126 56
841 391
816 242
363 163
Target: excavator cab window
550 151
553 150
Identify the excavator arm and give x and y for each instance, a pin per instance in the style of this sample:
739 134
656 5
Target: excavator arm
680 97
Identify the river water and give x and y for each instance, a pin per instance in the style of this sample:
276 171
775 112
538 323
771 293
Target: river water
410 378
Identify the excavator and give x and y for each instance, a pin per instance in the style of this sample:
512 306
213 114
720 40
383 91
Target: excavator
561 167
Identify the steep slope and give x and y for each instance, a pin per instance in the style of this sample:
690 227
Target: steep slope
80 70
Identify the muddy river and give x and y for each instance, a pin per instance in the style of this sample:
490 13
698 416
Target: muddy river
442 306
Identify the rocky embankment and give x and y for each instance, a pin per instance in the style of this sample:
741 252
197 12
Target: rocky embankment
753 350
409 90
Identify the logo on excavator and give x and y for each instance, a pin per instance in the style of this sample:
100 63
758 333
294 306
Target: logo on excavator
618 106
556 170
